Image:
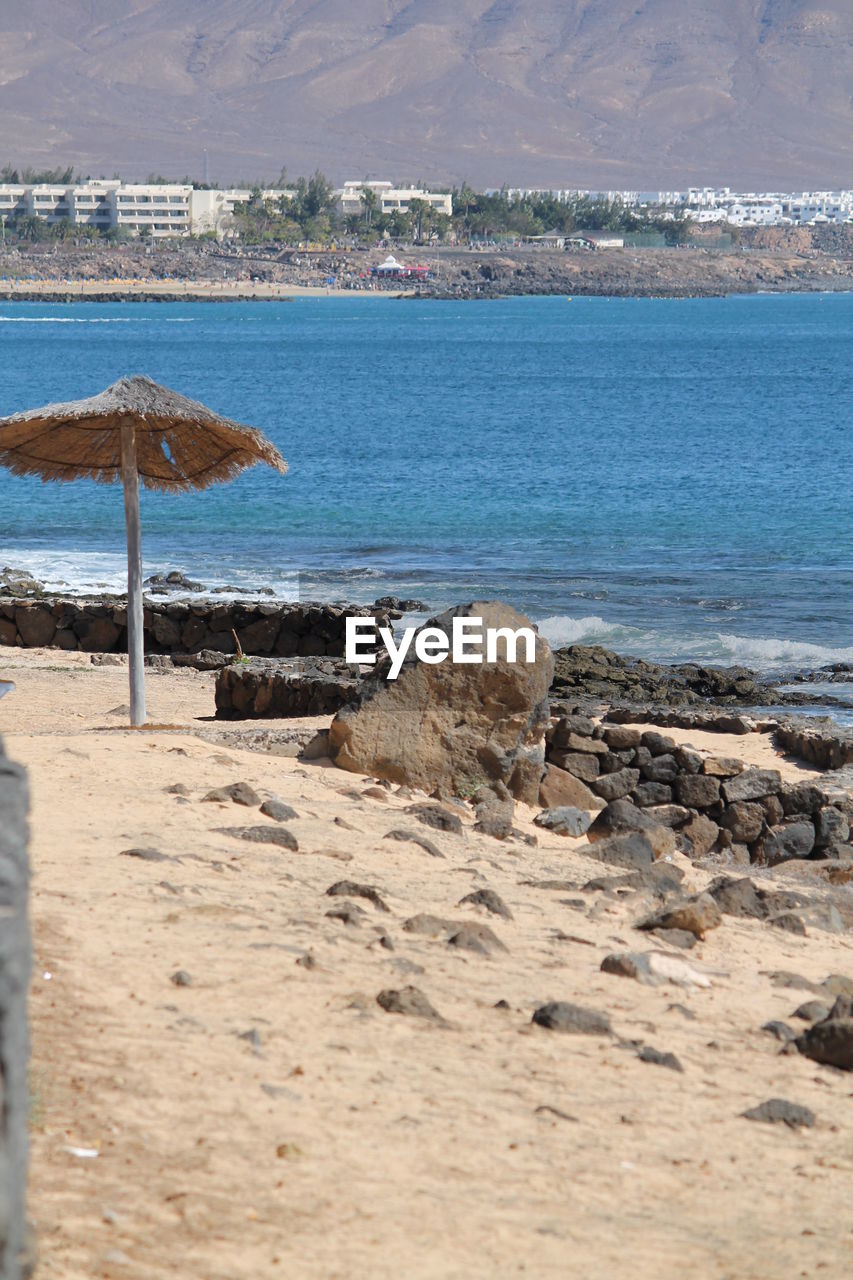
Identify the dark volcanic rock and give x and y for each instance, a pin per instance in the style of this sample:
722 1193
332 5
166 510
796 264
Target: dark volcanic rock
592 671
350 889
780 1031
659 1058
559 788
696 791
752 784
264 835
278 810
695 915
410 1002
614 786
238 792
565 821
795 840
780 1111
489 899
830 1042
476 937
559 1015
412 837
632 850
435 815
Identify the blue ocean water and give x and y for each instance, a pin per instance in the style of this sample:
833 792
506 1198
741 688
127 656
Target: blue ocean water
672 479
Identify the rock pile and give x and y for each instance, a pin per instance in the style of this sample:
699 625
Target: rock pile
713 805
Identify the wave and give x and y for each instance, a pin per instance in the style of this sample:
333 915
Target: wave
560 629
68 319
770 653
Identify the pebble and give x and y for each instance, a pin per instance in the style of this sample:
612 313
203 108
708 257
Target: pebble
490 900
180 978
348 913
264 835
278 810
659 1059
780 1031
434 815
560 1015
476 937
411 1002
780 1111
412 837
696 915
351 889
237 792
564 821
811 1011
147 855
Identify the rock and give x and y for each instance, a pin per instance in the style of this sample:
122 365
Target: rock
619 737
36 624
278 810
789 921
812 1011
651 793
614 786
795 840
696 915
738 898
180 978
559 1015
696 791
830 1042
773 811
780 1111
837 984
495 823
688 760
659 1059
723 767
237 792
780 1031
581 726
559 788
831 827
583 766
412 837
351 889
660 768
435 815
676 938
489 899
411 1002
702 834
476 937
629 964
349 913
800 797
668 815
617 817
744 821
438 726
264 835
147 855
752 784
634 850
658 743
565 821
432 926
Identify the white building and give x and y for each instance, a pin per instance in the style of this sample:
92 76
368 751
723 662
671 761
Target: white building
390 199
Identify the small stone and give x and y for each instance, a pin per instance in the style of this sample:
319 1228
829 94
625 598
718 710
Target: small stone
780 1031
560 787
744 821
180 978
278 810
476 937
564 821
351 889
632 850
659 1059
348 913
629 964
412 837
615 786
696 915
546 1110
790 922
795 840
702 834
723 767
147 855
495 823
264 835
237 793
830 1042
812 1011
738 898
696 791
435 815
410 1002
779 1111
560 1015
431 926
177 788
676 938
489 899
658 743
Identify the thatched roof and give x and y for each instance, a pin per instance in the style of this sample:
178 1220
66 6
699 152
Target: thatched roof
180 444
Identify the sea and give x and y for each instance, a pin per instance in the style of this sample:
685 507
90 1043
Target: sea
670 478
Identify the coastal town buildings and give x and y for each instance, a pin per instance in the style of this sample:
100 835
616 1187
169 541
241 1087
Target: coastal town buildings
717 204
179 209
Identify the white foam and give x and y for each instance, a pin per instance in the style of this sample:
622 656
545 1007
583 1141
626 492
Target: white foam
560 629
770 653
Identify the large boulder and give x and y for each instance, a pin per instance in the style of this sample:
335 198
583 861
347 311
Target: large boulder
449 727
14 978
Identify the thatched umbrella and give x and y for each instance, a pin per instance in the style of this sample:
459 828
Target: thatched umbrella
135 430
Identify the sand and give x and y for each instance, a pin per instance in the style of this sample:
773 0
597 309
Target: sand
270 1119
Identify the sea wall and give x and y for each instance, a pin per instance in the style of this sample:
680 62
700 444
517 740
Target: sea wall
14 1039
180 626
267 688
717 804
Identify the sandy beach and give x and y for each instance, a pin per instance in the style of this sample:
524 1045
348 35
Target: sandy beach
268 1117
156 290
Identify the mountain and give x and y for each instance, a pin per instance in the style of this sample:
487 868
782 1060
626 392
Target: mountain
599 93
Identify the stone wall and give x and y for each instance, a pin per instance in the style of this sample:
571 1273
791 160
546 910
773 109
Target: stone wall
265 687
14 1046
100 626
714 805
826 748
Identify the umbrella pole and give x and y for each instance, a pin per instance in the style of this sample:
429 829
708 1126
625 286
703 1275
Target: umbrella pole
135 640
